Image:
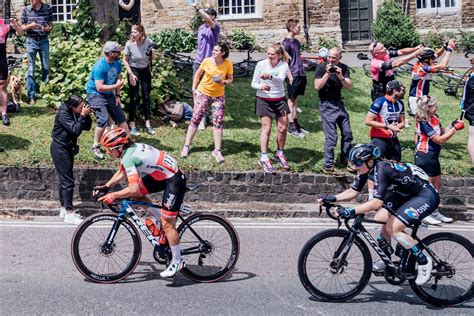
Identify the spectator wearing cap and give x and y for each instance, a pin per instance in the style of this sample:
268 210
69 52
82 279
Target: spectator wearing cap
386 118
330 78
103 93
37 20
381 67
430 136
423 71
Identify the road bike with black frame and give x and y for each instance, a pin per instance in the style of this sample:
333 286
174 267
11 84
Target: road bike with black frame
452 83
335 265
106 247
247 66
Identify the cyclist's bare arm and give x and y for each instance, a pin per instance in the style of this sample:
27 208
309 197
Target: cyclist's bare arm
408 50
406 58
118 176
347 195
369 206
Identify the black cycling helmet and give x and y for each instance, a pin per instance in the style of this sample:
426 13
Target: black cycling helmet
211 12
428 53
361 153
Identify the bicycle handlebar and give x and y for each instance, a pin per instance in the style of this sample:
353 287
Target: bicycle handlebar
328 207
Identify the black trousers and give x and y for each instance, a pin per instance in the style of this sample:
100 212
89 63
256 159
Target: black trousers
143 81
63 159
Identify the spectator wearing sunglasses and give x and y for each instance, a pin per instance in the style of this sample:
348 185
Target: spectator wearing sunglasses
381 67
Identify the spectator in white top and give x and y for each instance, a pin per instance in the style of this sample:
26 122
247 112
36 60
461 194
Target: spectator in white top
269 81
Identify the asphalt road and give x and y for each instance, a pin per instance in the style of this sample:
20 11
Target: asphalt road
37 276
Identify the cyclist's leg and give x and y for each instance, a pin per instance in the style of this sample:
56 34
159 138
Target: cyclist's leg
470 143
409 214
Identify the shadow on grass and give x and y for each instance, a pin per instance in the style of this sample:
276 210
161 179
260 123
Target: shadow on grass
304 158
28 111
11 142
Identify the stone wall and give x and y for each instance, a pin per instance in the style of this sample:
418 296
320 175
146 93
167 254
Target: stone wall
220 187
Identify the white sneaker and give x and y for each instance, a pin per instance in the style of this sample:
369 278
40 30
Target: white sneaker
172 269
431 220
299 110
62 212
73 218
424 272
440 217
202 124
378 266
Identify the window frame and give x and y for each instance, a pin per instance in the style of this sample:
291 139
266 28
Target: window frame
243 16
440 10
64 13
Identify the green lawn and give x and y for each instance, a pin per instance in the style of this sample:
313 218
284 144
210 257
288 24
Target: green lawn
27 139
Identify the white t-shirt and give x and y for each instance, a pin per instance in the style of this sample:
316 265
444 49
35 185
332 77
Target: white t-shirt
277 83
136 53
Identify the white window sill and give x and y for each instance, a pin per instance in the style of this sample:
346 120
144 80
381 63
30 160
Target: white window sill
239 17
441 12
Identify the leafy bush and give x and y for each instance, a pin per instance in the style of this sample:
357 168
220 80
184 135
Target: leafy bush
436 40
242 40
393 28
19 42
327 42
467 41
195 22
178 40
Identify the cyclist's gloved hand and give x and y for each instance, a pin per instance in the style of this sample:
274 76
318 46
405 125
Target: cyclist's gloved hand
328 198
100 189
109 198
346 212
458 124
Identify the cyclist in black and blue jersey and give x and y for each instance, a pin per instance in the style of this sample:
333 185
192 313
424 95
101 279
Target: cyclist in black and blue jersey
402 196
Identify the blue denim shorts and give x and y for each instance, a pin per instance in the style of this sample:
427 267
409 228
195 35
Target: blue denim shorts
103 106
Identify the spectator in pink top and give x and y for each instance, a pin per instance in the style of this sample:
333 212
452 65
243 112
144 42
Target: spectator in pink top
381 67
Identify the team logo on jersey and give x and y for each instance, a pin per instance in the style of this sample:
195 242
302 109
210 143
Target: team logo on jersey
412 213
399 167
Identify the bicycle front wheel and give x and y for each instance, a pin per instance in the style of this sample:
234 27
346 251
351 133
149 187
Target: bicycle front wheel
328 277
210 247
104 262
451 279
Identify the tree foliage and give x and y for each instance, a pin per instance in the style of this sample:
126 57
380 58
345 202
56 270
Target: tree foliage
393 28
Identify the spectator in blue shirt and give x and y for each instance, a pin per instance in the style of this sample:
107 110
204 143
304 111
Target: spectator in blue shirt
103 93
37 20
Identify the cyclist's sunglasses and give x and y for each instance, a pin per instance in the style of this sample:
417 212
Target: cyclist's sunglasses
109 149
357 163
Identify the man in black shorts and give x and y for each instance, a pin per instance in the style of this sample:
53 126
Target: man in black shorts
403 197
330 78
298 85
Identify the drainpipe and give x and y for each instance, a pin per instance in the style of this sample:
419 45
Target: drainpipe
305 21
6 9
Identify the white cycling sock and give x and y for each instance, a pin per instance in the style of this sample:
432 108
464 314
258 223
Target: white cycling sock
176 251
371 194
264 156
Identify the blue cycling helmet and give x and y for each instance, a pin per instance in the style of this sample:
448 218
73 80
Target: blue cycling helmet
361 153
428 53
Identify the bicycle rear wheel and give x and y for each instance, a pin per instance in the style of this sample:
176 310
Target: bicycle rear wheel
318 266
210 247
452 279
100 262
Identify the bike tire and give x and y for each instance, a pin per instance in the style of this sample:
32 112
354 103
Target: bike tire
98 264
218 253
367 72
326 244
240 70
458 252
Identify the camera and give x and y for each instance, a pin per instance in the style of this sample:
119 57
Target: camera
333 69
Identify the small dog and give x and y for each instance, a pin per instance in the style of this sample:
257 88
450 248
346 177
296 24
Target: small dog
16 88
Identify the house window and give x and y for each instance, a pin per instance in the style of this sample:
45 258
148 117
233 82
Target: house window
62 10
438 6
238 9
